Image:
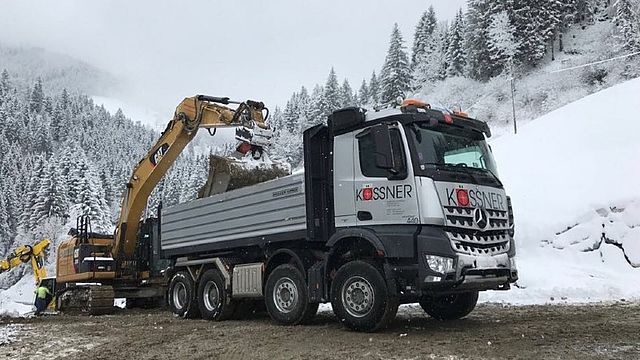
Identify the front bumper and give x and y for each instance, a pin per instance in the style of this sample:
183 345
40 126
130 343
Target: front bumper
469 272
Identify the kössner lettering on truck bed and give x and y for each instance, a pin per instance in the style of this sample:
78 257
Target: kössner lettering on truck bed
401 205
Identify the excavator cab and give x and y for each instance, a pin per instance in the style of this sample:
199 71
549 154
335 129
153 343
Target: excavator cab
86 255
50 283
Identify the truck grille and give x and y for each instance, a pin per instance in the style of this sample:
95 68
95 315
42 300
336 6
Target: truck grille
479 243
462 217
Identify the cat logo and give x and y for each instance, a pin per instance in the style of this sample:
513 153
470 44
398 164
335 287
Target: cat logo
159 154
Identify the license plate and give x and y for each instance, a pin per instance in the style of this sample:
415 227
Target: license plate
486 262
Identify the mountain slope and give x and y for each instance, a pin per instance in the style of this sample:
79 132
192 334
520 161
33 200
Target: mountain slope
573 177
57 71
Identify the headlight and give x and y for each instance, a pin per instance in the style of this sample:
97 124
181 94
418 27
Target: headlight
439 264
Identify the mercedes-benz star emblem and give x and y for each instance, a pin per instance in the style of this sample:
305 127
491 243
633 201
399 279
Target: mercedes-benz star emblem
480 217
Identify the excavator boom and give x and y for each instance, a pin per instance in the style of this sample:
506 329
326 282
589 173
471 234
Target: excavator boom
193 113
33 255
94 268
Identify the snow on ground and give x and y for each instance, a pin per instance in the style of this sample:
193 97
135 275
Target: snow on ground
573 176
18 300
9 333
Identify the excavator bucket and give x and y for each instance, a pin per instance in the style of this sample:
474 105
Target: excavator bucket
227 174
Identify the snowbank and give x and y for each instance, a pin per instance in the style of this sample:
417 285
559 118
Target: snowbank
573 178
18 300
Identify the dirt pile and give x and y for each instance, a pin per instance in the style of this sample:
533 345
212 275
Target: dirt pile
226 174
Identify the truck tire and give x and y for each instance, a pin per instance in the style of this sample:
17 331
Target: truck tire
182 296
360 298
451 306
286 296
213 299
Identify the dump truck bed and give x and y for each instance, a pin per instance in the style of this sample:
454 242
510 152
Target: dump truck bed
266 212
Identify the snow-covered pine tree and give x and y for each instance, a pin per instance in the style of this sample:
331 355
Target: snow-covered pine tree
431 66
421 38
585 11
36 101
291 113
363 94
346 94
502 42
51 199
276 120
627 20
37 173
331 98
479 63
395 77
73 164
317 107
91 199
374 89
12 187
58 133
303 111
5 230
531 31
456 52
4 82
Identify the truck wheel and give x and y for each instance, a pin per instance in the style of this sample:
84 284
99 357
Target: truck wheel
182 296
286 296
360 299
213 300
451 306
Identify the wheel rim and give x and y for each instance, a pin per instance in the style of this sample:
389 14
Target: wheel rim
285 295
179 295
211 296
357 296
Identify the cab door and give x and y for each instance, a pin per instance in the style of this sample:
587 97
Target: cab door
384 184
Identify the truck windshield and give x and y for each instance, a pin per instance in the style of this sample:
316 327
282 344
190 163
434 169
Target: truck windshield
449 147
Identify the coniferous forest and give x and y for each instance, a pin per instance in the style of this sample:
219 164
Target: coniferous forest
492 38
63 156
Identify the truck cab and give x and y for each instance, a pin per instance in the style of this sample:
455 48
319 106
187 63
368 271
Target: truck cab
425 182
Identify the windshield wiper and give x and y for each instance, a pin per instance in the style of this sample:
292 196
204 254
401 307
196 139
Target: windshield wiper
466 169
492 174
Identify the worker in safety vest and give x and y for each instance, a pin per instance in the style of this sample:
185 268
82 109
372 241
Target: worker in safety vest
42 292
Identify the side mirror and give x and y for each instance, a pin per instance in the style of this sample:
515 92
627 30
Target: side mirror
383 153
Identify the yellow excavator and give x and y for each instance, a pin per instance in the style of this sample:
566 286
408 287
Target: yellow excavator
92 269
35 256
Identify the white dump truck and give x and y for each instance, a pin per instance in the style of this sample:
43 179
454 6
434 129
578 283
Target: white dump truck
401 205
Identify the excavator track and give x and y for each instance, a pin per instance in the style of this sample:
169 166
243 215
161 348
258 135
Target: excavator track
87 300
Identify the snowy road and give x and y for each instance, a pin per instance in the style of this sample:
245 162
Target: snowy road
569 332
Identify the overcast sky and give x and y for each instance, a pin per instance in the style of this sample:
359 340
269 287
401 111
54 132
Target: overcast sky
166 50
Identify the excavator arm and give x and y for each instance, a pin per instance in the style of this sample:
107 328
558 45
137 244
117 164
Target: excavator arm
28 254
192 114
